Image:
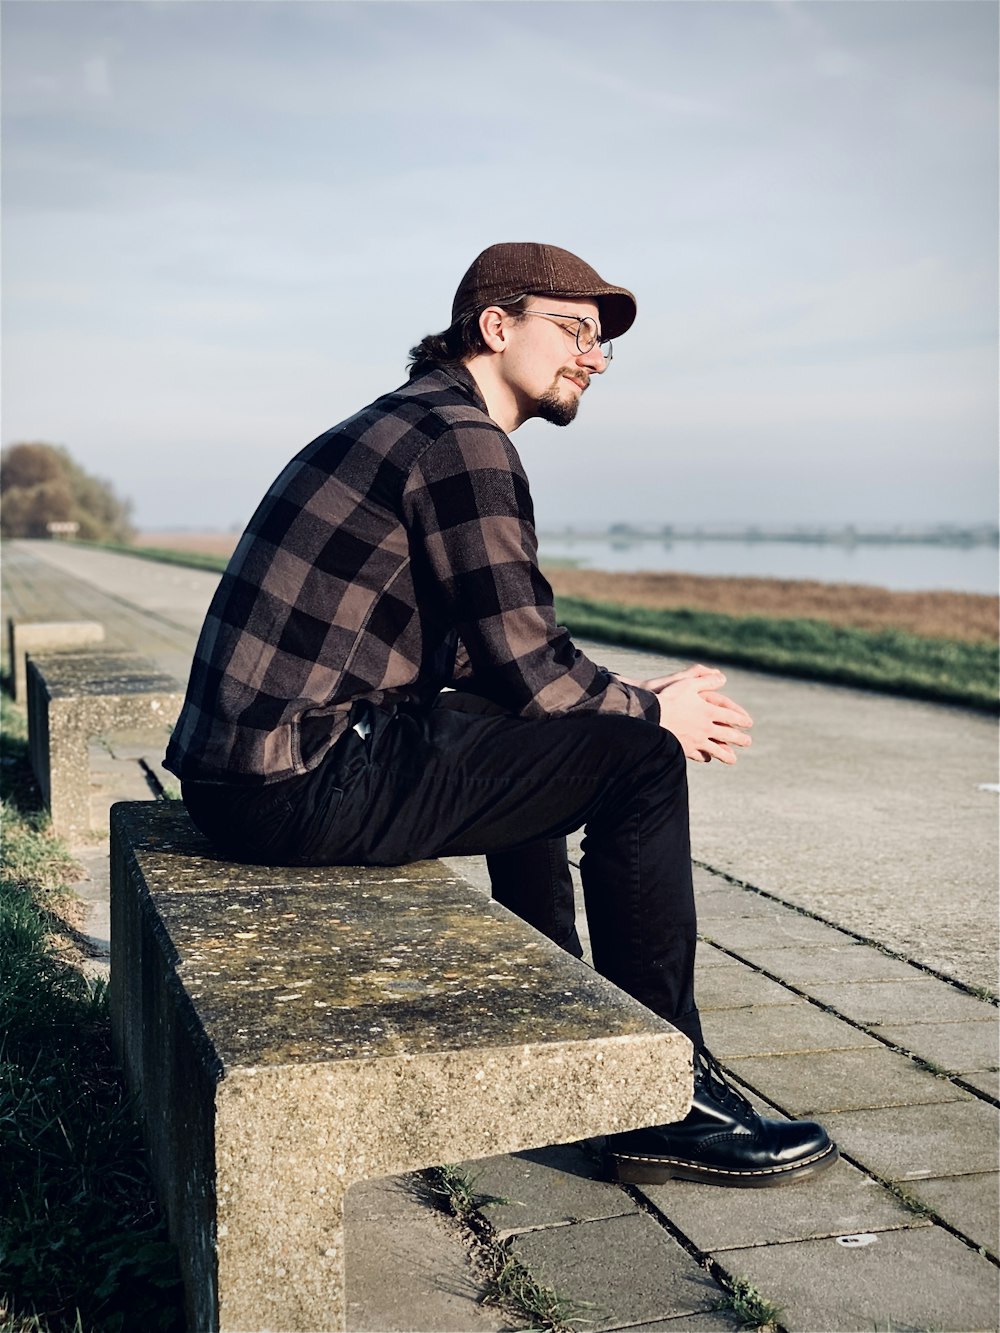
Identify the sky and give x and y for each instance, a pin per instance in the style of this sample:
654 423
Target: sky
226 221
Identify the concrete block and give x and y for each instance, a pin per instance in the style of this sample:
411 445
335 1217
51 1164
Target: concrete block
545 1187
628 1269
845 1202
45 636
288 1033
778 1030
76 697
919 1142
907 1281
958 1047
806 1085
970 1204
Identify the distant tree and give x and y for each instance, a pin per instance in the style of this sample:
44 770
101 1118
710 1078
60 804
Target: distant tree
42 484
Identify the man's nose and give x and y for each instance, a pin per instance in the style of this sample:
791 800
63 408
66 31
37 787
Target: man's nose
595 360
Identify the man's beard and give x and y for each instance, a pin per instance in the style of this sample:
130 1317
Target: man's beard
551 406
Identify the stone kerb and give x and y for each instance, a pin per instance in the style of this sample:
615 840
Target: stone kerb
288 1032
45 636
74 698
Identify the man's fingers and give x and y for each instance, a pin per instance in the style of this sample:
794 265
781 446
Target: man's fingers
717 750
737 715
711 676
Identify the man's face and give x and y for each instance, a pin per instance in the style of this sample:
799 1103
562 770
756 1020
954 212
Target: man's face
544 367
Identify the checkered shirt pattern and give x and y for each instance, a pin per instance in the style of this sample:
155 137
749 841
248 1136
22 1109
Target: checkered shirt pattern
394 556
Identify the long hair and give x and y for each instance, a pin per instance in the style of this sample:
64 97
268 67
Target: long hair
458 343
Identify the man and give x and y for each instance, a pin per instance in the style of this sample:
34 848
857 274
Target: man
395 556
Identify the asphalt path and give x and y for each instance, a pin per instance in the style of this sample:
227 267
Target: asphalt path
874 812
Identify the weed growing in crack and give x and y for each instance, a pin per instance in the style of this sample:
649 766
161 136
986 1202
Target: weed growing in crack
751 1309
509 1286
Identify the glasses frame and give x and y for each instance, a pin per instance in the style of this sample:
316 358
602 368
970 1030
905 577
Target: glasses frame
580 320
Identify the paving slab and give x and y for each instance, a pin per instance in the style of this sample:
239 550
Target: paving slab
841 1202
719 1321
547 1187
408 1266
971 1204
777 1030
920 1000
986 1080
629 1268
708 956
740 987
908 1281
843 1080
913 1142
841 961
957 1047
775 929
727 902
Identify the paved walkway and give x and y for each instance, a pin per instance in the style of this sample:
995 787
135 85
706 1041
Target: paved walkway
847 893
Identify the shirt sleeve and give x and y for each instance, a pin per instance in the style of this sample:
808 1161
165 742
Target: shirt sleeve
469 513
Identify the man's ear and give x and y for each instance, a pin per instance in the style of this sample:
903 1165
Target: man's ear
491 327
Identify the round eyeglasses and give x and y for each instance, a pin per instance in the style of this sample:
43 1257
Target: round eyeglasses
587 334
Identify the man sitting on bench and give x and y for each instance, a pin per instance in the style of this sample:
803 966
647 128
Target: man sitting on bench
394 557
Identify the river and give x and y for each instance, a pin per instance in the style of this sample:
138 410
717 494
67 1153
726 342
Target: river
901 566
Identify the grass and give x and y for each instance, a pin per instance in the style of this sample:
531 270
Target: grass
944 670
509 1286
747 1304
82 1249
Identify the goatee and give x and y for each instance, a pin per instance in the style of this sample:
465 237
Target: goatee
551 406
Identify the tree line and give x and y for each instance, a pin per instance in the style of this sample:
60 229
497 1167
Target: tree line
42 484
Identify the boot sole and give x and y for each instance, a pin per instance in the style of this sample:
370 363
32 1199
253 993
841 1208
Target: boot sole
635 1170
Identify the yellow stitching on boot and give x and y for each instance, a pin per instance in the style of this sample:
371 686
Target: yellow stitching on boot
721 1171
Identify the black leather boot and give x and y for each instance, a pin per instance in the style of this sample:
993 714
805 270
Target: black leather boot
722 1141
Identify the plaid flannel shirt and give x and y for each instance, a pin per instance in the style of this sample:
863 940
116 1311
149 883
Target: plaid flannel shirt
394 556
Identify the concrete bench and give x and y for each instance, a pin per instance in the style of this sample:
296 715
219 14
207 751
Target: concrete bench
45 636
290 1031
74 698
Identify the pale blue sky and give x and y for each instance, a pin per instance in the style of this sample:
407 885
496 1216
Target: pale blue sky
225 222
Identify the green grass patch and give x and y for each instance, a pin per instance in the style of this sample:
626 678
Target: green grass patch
165 556
944 670
81 1245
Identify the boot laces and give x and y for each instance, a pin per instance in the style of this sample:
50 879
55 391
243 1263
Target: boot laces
708 1073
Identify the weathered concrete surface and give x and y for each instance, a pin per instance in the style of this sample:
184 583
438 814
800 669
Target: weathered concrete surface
409 1266
286 1040
907 1281
906 1143
628 1268
74 697
847 1202
45 636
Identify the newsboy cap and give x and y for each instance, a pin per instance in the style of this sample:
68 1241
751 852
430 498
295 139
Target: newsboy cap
504 272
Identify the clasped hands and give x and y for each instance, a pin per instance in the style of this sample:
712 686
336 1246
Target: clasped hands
707 724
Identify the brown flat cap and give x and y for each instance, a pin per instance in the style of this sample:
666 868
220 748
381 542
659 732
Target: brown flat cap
512 269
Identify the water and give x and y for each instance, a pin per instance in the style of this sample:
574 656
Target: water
900 566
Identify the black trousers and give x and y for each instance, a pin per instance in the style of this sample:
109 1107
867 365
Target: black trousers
460 779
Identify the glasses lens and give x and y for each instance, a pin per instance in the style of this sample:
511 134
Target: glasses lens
606 348
586 334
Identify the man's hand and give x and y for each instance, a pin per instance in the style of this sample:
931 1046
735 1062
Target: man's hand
707 724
